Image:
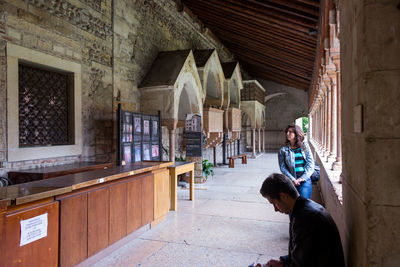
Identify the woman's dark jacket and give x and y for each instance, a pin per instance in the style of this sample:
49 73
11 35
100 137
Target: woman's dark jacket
314 237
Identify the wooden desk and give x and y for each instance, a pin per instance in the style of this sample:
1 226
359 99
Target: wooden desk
175 170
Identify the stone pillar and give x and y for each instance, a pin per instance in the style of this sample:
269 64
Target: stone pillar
171 144
263 140
328 119
259 140
325 125
171 125
215 155
333 143
337 165
253 141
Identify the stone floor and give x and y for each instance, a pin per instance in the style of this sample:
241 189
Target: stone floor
228 224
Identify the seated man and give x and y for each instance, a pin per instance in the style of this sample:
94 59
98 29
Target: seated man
314 238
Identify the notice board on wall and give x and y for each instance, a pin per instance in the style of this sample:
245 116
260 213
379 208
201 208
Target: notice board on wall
194 135
139 137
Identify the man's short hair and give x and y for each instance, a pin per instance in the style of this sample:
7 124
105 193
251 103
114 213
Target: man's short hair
278 183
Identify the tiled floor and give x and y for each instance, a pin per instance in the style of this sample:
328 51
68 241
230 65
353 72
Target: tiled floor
228 224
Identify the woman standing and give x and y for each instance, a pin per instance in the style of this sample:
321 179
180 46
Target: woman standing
296 160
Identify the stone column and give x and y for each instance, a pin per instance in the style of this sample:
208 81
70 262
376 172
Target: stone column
325 125
328 119
215 155
253 139
259 140
337 165
263 138
333 143
171 125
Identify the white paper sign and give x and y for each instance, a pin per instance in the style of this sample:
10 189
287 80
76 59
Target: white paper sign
33 229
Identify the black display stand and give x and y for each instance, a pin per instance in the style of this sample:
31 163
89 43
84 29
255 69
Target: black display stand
139 137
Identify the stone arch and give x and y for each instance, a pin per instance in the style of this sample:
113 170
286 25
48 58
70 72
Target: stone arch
233 84
188 100
246 131
211 76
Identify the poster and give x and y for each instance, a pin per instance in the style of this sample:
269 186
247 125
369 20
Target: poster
127 154
154 151
138 126
146 127
138 153
155 128
146 151
33 229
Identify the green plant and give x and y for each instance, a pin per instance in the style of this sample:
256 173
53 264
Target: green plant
207 168
180 158
305 124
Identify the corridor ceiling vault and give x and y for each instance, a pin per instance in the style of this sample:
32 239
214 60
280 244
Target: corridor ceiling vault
272 39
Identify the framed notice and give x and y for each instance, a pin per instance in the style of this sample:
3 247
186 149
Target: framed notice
139 136
146 151
155 153
138 152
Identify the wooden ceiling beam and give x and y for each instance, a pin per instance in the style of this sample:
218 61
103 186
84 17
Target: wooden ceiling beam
276 65
253 16
268 11
275 68
301 65
309 2
288 67
209 7
262 35
282 79
211 17
260 65
314 12
265 46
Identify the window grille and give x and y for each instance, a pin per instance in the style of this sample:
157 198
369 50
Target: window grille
44 107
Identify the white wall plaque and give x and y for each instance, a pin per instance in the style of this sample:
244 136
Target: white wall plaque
33 229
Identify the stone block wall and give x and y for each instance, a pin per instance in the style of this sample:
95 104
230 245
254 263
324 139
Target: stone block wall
115 45
370 174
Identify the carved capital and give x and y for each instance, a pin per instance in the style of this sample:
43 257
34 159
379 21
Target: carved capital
170 123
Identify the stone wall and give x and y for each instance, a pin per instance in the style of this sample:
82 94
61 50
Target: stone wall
115 47
284 105
370 77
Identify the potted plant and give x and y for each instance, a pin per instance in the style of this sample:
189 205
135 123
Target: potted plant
207 168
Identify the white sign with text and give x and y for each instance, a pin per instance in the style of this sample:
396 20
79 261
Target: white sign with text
33 229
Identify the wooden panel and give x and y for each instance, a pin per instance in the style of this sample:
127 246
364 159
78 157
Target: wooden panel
42 252
161 193
134 205
73 230
147 199
2 232
98 220
117 212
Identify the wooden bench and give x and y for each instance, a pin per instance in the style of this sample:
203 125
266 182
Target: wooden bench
232 160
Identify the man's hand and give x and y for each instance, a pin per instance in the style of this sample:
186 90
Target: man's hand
274 263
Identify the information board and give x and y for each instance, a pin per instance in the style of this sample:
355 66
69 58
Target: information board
139 137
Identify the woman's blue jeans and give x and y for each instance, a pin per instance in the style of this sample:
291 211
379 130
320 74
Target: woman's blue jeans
305 188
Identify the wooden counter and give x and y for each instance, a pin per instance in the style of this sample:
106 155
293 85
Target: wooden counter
86 212
30 175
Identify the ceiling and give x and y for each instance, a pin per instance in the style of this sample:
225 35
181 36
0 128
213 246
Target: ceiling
272 39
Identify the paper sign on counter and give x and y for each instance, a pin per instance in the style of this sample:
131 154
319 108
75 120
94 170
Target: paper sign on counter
33 229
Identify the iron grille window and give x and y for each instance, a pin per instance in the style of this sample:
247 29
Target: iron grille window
45 107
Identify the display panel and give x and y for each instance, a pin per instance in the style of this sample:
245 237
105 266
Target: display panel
139 137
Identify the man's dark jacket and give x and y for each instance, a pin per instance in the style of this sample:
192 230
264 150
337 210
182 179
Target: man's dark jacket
314 238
